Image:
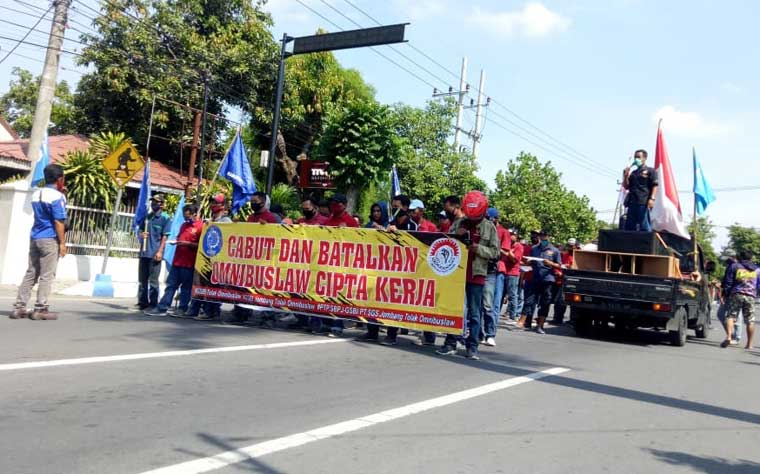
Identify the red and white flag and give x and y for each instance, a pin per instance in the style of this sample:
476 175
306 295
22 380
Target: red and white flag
666 213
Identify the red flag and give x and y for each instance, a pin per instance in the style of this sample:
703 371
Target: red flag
666 213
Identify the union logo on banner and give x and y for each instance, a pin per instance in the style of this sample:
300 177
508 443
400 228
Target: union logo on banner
444 256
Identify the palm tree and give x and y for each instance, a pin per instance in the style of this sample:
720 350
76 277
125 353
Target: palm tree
88 183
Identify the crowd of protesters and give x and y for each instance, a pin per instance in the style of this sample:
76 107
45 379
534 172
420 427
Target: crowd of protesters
501 269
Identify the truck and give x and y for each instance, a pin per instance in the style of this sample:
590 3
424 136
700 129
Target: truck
640 280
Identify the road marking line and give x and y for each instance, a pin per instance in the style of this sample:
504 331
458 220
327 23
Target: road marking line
253 451
156 355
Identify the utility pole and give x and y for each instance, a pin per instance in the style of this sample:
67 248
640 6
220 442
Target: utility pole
47 83
478 116
464 89
460 109
277 105
203 139
193 153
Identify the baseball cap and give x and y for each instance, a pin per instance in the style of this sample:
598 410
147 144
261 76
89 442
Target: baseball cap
337 197
571 241
443 215
416 204
157 198
493 213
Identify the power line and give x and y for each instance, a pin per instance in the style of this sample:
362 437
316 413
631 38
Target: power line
46 33
42 17
38 45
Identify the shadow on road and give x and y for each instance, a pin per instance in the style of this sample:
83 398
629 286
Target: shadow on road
709 465
248 465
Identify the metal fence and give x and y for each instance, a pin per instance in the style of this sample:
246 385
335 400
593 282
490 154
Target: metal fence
88 232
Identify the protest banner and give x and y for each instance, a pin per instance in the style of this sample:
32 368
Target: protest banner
411 280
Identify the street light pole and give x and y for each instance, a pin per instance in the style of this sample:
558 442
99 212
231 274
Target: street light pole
277 104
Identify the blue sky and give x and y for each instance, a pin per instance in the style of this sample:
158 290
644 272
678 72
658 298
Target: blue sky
594 74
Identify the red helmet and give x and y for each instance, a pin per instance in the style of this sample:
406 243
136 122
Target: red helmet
474 205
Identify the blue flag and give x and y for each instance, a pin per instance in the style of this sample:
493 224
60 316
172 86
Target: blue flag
703 193
143 200
235 168
38 177
395 183
179 218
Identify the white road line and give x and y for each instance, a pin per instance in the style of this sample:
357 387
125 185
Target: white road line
156 355
280 444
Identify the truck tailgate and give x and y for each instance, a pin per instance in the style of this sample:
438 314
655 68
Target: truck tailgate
618 287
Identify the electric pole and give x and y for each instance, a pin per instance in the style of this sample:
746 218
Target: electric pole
464 89
478 116
47 83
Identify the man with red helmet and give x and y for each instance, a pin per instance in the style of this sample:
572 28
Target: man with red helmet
479 234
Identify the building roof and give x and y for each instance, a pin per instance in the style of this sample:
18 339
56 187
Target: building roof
9 131
13 155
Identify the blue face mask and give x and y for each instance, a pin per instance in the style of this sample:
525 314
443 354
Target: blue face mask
637 162
189 220
544 243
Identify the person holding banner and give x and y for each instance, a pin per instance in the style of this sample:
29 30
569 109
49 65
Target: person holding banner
417 209
482 241
310 211
378 216
261 213
181 274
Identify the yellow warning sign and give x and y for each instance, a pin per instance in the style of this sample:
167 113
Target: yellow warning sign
123 164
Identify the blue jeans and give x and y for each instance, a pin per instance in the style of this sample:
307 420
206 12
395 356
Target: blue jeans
722 310
492 295
538 294
473 315
179 278
514 297
638 218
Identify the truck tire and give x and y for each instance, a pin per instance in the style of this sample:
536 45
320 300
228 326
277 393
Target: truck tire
581 321
678 338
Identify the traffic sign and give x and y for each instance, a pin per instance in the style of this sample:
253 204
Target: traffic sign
123 164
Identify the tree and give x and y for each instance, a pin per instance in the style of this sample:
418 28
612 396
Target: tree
744 238
19 103
168 48
316 85
428 168
360 142
530 195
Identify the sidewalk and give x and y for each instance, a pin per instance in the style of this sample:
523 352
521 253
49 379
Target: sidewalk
77 288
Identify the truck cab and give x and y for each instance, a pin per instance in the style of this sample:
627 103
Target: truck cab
640 280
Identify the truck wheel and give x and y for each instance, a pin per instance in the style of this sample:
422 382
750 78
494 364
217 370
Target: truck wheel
678 338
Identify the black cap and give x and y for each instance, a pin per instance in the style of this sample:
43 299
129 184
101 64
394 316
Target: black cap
337 197
157 198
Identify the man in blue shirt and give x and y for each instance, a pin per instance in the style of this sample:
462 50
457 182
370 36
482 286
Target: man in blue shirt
545 259
152 252
47 244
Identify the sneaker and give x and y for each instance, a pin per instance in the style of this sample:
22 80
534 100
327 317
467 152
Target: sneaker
472 354
19 313
725 343
388 341
491 342
154 312
43 315
734 342
420 341
446 350
203 317
138 308
540 330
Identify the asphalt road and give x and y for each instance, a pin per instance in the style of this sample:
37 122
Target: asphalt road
314 405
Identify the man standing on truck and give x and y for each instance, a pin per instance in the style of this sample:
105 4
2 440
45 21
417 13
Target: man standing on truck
642 187
743 282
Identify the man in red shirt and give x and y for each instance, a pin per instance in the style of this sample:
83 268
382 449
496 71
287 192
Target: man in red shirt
181 273
443 222
261 214
338 215
417 211
512 271
311 215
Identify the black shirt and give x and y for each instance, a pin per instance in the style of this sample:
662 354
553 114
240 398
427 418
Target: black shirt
640 184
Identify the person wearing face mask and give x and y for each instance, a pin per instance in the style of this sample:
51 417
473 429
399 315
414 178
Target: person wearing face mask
261 213
181 273
338 215
546 259
47 244
642 189
482 242
152 252
219 214
310 211
452 206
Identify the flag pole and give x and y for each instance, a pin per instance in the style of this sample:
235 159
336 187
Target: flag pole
221 163
696 224
147 167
